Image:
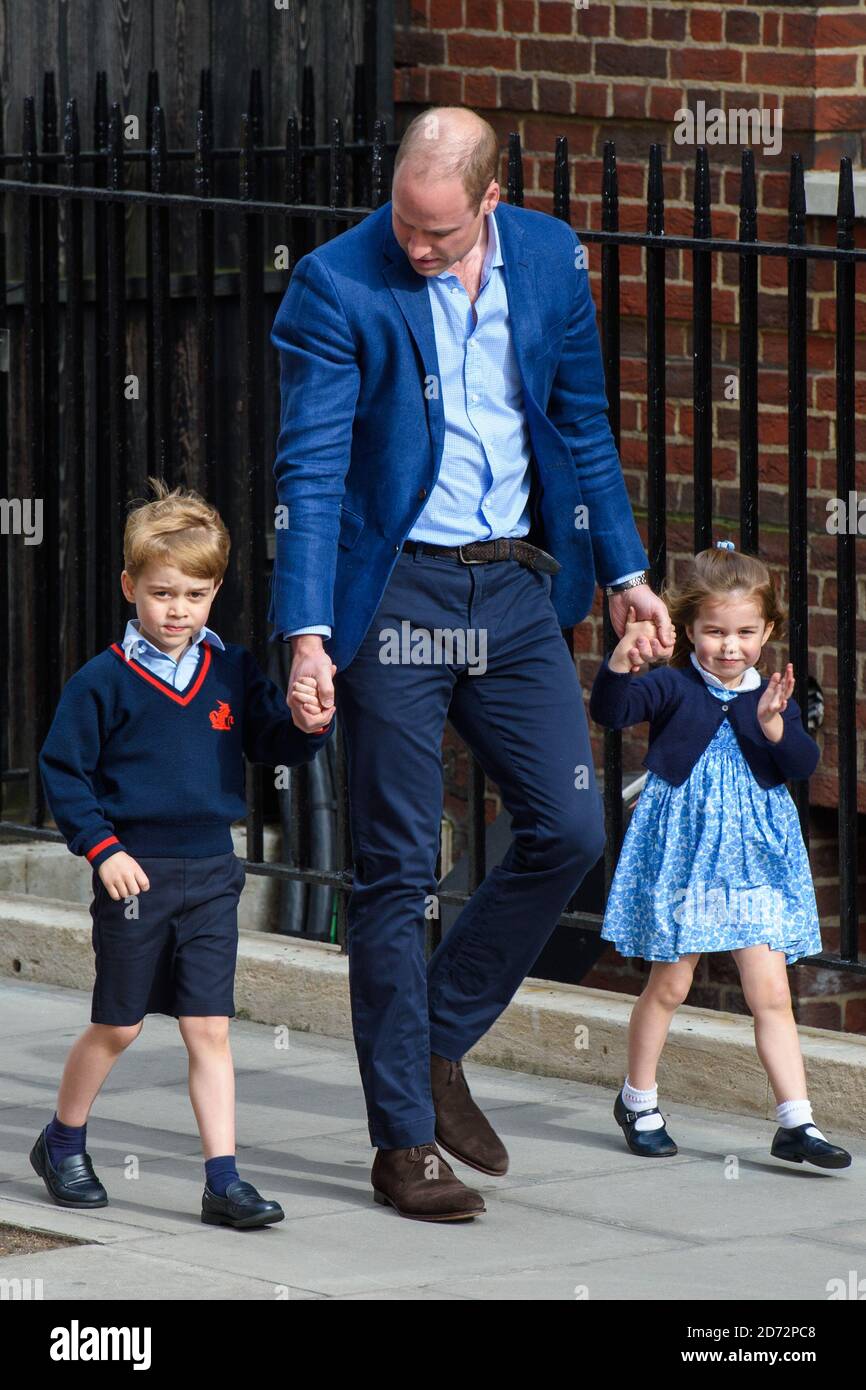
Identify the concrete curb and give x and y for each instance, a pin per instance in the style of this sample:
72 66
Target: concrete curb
547 1029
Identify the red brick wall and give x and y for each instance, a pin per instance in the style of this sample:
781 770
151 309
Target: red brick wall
621 71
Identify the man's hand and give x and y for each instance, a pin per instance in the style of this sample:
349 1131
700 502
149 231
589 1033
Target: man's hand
309 658
647 607
122 876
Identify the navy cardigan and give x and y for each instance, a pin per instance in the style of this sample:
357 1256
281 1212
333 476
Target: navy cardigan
683 718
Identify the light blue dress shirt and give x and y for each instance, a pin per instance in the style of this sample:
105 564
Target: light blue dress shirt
175 673
482 488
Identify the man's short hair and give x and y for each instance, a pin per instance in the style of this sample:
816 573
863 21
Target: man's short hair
471 156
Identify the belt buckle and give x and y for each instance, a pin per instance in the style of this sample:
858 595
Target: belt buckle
463 558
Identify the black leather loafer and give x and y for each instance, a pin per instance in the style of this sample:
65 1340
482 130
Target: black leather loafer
73 1182
796 1146
649 1143
242 1207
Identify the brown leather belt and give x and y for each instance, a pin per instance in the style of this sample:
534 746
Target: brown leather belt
481 552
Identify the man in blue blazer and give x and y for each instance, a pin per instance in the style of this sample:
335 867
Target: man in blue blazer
449 493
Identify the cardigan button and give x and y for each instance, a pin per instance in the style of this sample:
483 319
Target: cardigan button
724 707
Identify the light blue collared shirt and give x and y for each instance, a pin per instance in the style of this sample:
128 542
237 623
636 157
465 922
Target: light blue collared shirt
175 673
482 488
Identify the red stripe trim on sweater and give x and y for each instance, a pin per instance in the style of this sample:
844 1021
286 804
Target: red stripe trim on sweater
97 849
179 699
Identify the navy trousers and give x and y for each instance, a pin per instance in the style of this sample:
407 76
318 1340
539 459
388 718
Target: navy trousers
511 692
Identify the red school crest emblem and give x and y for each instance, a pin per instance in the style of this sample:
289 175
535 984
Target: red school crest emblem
221 717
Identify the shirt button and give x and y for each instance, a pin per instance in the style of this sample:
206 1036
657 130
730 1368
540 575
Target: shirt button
396 547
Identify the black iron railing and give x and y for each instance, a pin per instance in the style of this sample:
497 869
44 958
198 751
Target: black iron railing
69 216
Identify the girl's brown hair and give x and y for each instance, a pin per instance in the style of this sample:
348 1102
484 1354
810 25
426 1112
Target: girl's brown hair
177 528
713 576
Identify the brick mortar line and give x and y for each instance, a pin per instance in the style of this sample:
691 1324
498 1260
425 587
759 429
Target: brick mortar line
634 78
669 45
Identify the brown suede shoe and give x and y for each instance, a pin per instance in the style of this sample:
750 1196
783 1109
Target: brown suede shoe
461 1128
420 1183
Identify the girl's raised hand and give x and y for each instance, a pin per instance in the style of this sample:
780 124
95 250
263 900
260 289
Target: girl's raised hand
777 694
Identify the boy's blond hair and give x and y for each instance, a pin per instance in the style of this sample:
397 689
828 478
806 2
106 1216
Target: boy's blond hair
177 528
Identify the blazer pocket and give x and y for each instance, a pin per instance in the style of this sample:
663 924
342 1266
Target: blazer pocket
351 526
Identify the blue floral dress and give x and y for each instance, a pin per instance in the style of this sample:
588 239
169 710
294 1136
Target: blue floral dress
714 864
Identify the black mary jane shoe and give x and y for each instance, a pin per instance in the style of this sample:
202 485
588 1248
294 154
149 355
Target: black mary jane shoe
242 1207
73 1182
796 1146
649 1143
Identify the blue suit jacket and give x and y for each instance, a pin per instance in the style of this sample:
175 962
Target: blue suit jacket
361 438
683 718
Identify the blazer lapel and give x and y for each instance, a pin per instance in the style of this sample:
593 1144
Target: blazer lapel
521 287
410 292
522 290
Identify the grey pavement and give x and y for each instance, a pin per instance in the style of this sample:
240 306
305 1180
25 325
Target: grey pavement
577 1215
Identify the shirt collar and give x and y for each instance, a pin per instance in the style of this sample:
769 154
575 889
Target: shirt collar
492 256
494 248
750 681
132 638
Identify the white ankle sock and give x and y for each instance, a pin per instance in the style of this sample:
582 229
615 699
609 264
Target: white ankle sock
791 1113
633 1100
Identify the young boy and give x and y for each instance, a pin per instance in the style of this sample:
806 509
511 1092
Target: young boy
143 769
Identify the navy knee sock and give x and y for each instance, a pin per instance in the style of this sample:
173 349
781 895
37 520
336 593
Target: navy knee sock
219 1172
62 1140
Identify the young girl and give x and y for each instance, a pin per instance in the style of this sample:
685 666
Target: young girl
713 858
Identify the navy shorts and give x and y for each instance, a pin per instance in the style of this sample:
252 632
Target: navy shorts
171 949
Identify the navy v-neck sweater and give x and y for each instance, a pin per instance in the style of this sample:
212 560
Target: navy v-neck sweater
683 717
132 764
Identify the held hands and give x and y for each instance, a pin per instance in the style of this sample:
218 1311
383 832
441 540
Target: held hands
308 713
644 606
773 701
312 707
641 642
122 876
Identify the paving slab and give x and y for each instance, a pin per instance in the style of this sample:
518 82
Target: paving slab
576 1217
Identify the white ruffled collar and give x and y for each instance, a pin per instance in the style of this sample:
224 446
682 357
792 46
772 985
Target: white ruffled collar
750 681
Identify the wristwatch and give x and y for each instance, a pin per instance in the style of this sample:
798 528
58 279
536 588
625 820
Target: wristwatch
642 578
